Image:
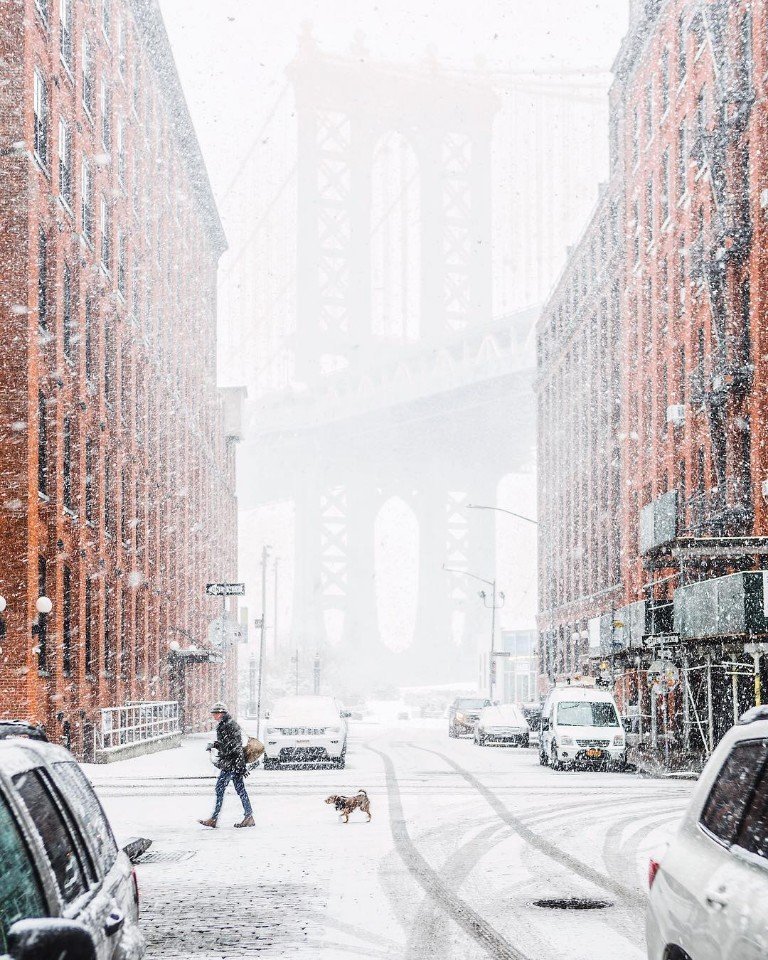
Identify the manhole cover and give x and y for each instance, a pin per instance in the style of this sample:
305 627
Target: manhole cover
166 856
572 903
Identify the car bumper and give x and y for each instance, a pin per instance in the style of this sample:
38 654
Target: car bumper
580 755
506 738
303 749
464 726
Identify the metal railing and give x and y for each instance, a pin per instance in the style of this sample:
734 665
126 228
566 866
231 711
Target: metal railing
138 722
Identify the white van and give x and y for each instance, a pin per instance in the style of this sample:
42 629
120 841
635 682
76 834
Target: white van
581 725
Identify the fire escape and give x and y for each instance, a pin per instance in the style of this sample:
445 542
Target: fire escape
721 382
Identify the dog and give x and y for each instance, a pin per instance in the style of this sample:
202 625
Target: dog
346 805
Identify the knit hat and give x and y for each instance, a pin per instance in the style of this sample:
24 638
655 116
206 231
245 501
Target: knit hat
219 707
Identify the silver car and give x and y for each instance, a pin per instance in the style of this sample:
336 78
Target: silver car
67 891
709 890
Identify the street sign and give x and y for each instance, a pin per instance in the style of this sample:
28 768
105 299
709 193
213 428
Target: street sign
225 589
258 623
502 653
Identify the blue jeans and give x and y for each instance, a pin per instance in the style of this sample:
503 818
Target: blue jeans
221 785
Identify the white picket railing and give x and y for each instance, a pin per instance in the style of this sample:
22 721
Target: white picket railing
138 722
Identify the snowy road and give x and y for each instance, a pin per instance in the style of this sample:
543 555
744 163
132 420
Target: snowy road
463 839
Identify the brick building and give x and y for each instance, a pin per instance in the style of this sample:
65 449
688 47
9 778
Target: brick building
688 132
579 392
117 493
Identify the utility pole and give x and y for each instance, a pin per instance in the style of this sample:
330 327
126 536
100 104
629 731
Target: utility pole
295 659
317 674
274 608
262 644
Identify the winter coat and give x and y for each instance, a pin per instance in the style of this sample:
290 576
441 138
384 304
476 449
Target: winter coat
229 743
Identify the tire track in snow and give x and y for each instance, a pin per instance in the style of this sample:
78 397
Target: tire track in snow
540 843
429 880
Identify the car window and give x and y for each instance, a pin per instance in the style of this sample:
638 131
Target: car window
732 790
58 840
753 832
86 805
582 713
21 895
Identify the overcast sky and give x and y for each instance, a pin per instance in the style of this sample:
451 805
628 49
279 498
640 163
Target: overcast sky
232 54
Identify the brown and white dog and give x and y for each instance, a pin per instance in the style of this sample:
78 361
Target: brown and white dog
345 805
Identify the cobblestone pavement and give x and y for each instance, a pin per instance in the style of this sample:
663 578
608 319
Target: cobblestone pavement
463 840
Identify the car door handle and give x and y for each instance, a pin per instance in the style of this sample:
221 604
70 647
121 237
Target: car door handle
115 922
718 900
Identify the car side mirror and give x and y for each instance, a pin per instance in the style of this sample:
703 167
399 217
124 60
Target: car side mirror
544 723
44 938
135 847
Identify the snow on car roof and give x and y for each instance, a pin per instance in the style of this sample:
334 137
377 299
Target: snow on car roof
591 694
504 710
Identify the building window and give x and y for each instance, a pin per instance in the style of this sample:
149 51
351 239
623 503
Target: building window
86 200
682 159
109 635
109 498
87 69
91 480
121 151
682 43
65 33
65 163
40 105
664 81
42 279
649 110
664 198
121 263
66 616
88 639
68 319
66 443
649 210
42 9
106 17
42 445
701 111
635 136
90 344
110 365
106 115
106 238
121 47
42 645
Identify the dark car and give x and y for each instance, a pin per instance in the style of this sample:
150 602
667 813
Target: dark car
67 892
463 713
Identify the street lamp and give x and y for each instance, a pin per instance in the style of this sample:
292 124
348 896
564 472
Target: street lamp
477 506
44 604
493 609
3 604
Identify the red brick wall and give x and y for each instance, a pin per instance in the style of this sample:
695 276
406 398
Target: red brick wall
137 388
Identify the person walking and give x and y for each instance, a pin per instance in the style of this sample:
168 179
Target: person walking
231 763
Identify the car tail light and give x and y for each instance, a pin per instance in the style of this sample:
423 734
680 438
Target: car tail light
653 869
135 888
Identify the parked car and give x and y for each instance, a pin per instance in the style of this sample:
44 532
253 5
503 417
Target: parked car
463 713
20 728
581 725
708 891
306 729
67 891
504 723
532 714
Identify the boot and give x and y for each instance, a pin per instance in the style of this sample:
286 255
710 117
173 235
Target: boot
210 822
247 821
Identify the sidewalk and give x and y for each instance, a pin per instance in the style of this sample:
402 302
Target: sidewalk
189 761
679 767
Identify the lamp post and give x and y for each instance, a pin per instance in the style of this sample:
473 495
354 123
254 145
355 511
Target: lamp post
478 506
493 608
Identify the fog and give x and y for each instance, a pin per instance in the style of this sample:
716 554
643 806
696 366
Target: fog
384 337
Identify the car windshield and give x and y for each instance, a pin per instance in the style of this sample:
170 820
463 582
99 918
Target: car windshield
508 715
583 713
471 704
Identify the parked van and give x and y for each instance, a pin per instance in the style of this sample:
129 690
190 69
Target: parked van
581 725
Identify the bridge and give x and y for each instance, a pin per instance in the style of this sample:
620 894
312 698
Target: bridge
385 394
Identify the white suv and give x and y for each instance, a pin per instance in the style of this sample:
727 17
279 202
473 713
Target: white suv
709 891
305 730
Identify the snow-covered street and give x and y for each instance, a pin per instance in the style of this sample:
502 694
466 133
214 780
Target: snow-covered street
463 840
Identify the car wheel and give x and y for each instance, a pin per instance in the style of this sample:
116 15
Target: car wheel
543 758
452 731
526 743
553 761
340 763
